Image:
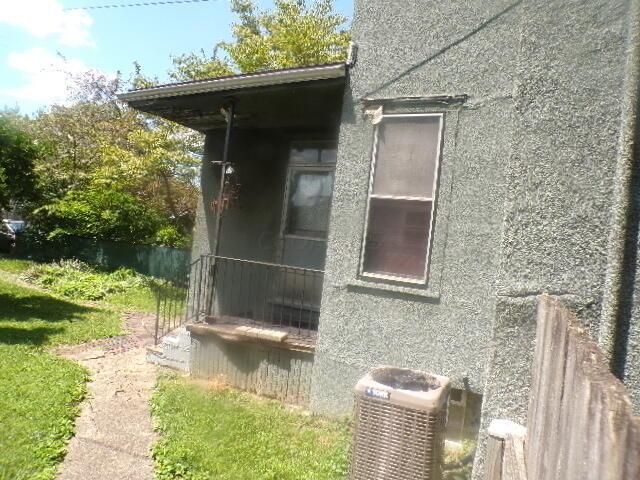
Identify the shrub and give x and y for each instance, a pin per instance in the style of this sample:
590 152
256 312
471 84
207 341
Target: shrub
458 461
18 154
104 213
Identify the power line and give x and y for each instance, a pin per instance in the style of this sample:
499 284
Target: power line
140 4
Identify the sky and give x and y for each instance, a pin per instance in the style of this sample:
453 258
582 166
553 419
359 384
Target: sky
41 39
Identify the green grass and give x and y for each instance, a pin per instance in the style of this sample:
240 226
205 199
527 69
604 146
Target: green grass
39 392
141 299
14 265
224 434
33 318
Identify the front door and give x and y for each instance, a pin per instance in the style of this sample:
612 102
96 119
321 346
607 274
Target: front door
307 204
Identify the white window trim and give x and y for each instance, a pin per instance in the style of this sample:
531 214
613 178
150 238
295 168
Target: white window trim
370 195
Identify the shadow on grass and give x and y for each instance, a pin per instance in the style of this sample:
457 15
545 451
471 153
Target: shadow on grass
22 317
21 308
35 336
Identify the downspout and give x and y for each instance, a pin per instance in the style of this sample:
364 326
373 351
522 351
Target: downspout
614 287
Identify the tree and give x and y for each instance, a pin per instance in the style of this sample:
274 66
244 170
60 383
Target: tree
98 142
104 212
293 34
18 154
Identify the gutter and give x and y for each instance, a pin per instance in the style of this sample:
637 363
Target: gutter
614 287
235 82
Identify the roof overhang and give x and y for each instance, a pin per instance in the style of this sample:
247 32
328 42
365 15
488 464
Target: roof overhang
311 95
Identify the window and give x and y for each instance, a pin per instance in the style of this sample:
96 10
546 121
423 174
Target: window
401 196
309 203
309 189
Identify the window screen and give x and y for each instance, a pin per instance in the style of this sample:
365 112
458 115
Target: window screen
401 199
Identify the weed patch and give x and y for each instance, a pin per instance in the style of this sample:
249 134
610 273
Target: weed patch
77 280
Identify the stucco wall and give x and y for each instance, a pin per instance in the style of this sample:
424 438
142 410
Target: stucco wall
423 52
525 196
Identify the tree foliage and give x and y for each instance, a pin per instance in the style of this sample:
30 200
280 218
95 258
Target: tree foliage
98 142
103 213
295 33
18 155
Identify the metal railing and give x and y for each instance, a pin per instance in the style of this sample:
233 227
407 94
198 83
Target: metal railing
264 294
173 298
244 292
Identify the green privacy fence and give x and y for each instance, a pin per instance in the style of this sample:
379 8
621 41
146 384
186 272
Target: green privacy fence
162 262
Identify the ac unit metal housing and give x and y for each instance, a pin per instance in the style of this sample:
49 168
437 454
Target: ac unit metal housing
400 417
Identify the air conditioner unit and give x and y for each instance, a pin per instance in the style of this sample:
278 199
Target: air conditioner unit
400 415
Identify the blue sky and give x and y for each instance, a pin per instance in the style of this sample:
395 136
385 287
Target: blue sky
34 32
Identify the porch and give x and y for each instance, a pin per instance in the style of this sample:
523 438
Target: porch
254 325
252 302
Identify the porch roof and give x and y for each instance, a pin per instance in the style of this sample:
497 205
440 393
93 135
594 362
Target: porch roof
303 97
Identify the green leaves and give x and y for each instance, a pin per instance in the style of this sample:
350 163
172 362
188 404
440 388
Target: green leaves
76 280
104 212
18 154
98 143
295 33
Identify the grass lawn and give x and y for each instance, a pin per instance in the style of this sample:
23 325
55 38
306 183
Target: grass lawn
224 434
14 265
39 392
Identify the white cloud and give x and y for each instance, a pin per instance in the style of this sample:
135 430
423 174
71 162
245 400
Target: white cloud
46 75
43 18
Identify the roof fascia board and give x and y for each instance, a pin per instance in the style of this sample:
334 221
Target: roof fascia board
278 77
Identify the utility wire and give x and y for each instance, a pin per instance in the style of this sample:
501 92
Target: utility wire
140 4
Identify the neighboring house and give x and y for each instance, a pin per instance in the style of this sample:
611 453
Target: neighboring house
486 153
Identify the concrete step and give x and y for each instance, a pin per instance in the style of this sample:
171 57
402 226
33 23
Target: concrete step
173 351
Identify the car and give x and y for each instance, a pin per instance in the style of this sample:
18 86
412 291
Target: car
10 230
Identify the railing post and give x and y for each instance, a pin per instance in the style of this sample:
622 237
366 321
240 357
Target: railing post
159 298
199 296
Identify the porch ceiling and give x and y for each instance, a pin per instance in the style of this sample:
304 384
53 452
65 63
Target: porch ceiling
279 99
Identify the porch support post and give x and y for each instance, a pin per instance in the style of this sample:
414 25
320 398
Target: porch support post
223 171
223 176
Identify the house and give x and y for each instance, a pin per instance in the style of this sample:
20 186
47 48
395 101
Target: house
408 208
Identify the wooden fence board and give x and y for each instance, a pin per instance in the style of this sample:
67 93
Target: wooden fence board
580 423
493 463
580 420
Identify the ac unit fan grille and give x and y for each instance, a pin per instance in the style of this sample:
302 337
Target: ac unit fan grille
396 443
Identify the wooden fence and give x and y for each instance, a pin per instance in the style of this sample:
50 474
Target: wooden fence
580 422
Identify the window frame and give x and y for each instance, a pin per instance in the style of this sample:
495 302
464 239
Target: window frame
370 195
292 168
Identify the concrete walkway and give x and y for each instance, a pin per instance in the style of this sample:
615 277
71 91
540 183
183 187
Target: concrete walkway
114 433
